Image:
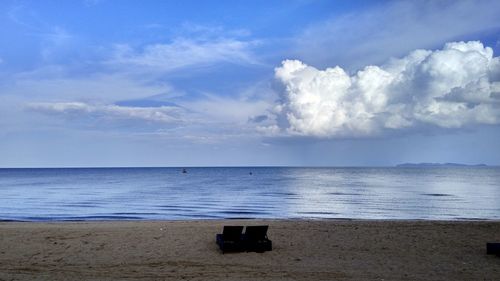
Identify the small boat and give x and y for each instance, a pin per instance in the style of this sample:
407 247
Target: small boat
184 171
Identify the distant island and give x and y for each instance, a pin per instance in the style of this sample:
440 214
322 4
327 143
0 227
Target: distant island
416 165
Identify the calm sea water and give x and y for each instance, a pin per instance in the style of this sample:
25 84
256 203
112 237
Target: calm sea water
214 193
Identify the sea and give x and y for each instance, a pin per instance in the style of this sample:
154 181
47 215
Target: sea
88 194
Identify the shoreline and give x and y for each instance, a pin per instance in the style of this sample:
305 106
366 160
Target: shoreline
319 249
250 219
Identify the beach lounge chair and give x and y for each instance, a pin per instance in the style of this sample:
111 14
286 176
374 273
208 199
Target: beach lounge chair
231 239
256 240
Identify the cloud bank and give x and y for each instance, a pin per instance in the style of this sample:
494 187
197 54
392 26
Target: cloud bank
455 87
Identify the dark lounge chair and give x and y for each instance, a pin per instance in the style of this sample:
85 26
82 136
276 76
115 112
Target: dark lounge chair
256 240
231 239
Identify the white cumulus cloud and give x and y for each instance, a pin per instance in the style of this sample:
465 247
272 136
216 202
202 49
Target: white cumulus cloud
454 87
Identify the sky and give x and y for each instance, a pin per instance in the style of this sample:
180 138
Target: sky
102 83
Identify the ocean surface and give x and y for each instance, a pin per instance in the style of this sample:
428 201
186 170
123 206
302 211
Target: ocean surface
436 193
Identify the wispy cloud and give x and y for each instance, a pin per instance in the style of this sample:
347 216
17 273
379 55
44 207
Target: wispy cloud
54 40
235 110
55 83
183 53
187 44
162 114
209 120
455 87
33 24
206 32
91 3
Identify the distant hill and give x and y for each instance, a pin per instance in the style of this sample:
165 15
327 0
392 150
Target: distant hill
416 165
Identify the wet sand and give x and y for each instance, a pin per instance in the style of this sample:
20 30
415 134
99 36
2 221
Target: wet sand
303 250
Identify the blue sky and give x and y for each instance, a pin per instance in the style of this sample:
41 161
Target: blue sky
216 83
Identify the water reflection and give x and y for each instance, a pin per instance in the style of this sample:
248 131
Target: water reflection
437 193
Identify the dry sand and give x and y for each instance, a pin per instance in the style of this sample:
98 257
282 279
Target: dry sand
303 250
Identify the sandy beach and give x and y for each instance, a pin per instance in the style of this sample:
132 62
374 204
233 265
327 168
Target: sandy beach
303 250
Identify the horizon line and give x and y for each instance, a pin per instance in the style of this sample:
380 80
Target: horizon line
421 164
